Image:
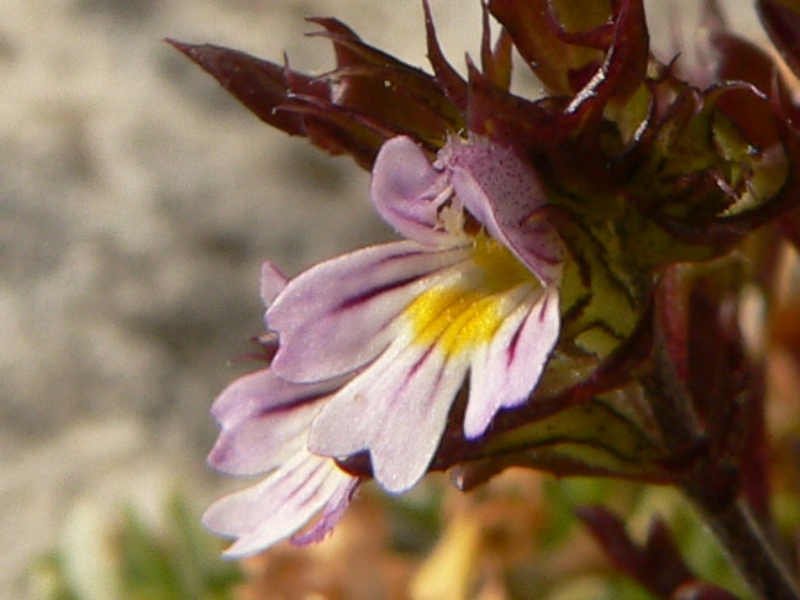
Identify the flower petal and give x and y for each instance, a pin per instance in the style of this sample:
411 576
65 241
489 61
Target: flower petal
336 317
407 191
264 421
280 505
397 409
505 372
272 282
506 196
332 513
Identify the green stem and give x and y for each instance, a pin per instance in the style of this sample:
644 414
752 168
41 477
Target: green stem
714 487
750 549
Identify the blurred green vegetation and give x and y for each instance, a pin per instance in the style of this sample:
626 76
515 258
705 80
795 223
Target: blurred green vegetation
126 558
518 534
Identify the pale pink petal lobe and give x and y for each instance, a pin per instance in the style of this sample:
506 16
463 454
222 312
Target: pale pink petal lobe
505 373
337 316
397 409
333 512
264 421
272 282
280 505
407 192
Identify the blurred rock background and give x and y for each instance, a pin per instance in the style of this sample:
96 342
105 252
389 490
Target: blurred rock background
137 201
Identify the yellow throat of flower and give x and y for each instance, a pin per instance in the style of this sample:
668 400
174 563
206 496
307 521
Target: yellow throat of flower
464 312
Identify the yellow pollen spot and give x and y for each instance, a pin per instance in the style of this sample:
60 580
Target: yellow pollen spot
462 315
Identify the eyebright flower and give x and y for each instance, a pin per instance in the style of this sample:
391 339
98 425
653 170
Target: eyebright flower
474 289
375 345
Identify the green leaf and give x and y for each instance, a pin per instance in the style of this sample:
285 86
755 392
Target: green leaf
610 435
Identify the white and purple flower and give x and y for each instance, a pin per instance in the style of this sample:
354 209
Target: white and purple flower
375 345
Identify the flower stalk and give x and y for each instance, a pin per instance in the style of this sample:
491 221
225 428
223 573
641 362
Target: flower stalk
714 490
710 480
749 547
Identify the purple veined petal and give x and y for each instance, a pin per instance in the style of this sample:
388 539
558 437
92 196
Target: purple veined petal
397 409
272 282
338 315
504 373
279 506
407 191
506 196
264 421
331 515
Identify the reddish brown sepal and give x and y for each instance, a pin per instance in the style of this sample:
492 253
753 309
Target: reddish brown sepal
261 86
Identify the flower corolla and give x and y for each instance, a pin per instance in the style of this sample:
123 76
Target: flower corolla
374 346
472 290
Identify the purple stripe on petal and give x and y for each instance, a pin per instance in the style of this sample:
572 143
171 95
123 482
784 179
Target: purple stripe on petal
298 492
511 350
371 294
263 392
303 398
